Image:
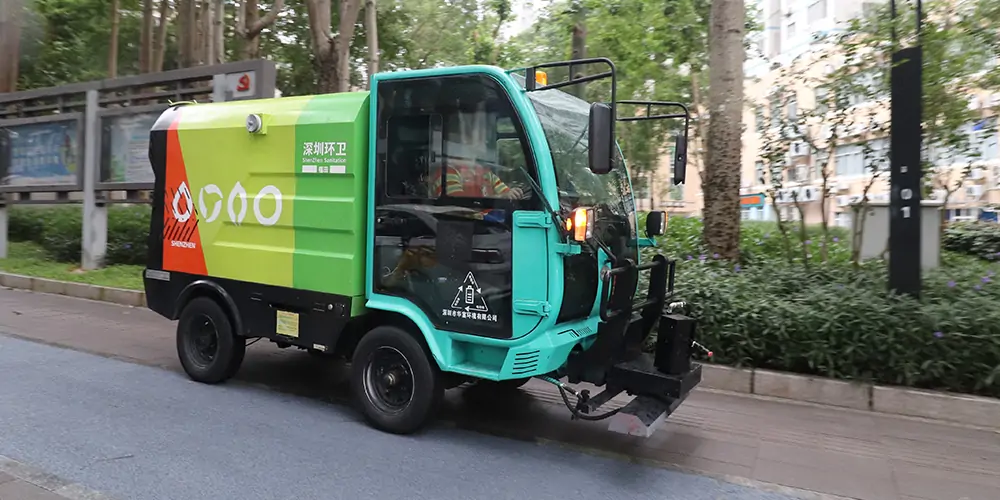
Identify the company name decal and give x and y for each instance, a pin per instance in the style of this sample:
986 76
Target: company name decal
183 204
324 157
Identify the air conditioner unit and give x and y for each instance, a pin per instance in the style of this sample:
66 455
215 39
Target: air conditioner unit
808 193
880 197
843 200
976 174
973 192
798 148
843 186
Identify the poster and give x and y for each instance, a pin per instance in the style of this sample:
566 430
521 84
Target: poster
40 154
125 148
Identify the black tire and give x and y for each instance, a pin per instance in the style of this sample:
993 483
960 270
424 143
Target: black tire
208 348
395 380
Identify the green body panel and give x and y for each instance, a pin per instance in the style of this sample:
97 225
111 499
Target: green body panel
310 161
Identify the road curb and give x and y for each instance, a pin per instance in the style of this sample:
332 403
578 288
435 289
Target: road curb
118 296
940 406
50 482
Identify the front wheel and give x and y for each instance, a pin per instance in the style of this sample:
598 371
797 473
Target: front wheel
209 349
395 380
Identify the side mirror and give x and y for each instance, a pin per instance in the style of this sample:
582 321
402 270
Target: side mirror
680 159
656 223
599 137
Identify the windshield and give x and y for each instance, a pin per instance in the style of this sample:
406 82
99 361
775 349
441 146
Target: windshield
565 120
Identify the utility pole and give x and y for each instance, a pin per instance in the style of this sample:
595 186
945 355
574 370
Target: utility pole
906 94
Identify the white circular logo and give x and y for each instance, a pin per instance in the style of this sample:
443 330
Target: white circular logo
183 200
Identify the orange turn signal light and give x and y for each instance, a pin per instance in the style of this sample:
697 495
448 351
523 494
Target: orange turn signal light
581 224
541 78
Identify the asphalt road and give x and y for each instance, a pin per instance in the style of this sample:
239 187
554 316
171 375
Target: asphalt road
139 432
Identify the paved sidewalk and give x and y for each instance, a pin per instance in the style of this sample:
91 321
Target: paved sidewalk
23 482
833 451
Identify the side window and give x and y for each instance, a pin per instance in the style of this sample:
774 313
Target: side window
456 142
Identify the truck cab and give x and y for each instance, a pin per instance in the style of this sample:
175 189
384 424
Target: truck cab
500 244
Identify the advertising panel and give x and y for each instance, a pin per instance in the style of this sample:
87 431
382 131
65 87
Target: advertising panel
125 148
40 154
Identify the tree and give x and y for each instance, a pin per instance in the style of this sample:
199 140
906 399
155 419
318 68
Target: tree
249 25
113 44
725 100
159 47
331 50
371 33
10 43
146 43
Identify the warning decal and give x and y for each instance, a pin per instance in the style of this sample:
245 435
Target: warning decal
469 302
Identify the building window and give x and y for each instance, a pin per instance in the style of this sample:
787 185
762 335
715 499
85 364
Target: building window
817 11
854 160
758 173
790 31
822 94
759 116
793 108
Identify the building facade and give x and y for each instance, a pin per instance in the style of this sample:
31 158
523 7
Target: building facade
785 74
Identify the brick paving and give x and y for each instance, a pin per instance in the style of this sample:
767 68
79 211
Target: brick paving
847 453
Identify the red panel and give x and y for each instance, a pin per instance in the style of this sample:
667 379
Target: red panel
182 250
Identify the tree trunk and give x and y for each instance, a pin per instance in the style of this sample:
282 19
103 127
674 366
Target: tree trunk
160 40
187 32
206 50
371 27
253 24
578 46
349 10
10 43
146 41
725 102
219 32
113 45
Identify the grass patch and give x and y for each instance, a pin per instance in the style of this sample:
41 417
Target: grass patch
30 259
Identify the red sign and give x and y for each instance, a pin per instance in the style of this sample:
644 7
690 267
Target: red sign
243 84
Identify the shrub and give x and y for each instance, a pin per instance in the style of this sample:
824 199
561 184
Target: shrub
839 322
128 232
981 239
59 231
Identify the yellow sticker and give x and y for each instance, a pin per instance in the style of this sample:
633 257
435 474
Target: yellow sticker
288 324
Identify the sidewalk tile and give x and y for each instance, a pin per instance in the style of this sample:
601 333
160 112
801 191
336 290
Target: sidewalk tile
22 490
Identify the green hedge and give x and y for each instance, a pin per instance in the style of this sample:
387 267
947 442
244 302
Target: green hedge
59 231
981 239
836 320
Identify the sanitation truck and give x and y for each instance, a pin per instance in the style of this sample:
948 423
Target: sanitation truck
448 226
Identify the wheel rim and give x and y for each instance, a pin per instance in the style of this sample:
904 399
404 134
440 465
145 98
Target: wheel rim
388 380
202 345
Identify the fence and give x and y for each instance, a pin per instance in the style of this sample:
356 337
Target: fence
88 142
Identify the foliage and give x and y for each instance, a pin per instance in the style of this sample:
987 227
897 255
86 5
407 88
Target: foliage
58 231
836 320
66 41
979 239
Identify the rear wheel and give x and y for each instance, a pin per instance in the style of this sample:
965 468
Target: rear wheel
395 380
208 348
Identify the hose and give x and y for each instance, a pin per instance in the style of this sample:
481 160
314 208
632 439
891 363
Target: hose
583 416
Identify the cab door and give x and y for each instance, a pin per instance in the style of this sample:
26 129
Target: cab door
456 229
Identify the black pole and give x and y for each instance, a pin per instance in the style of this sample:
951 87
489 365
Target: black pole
905 168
